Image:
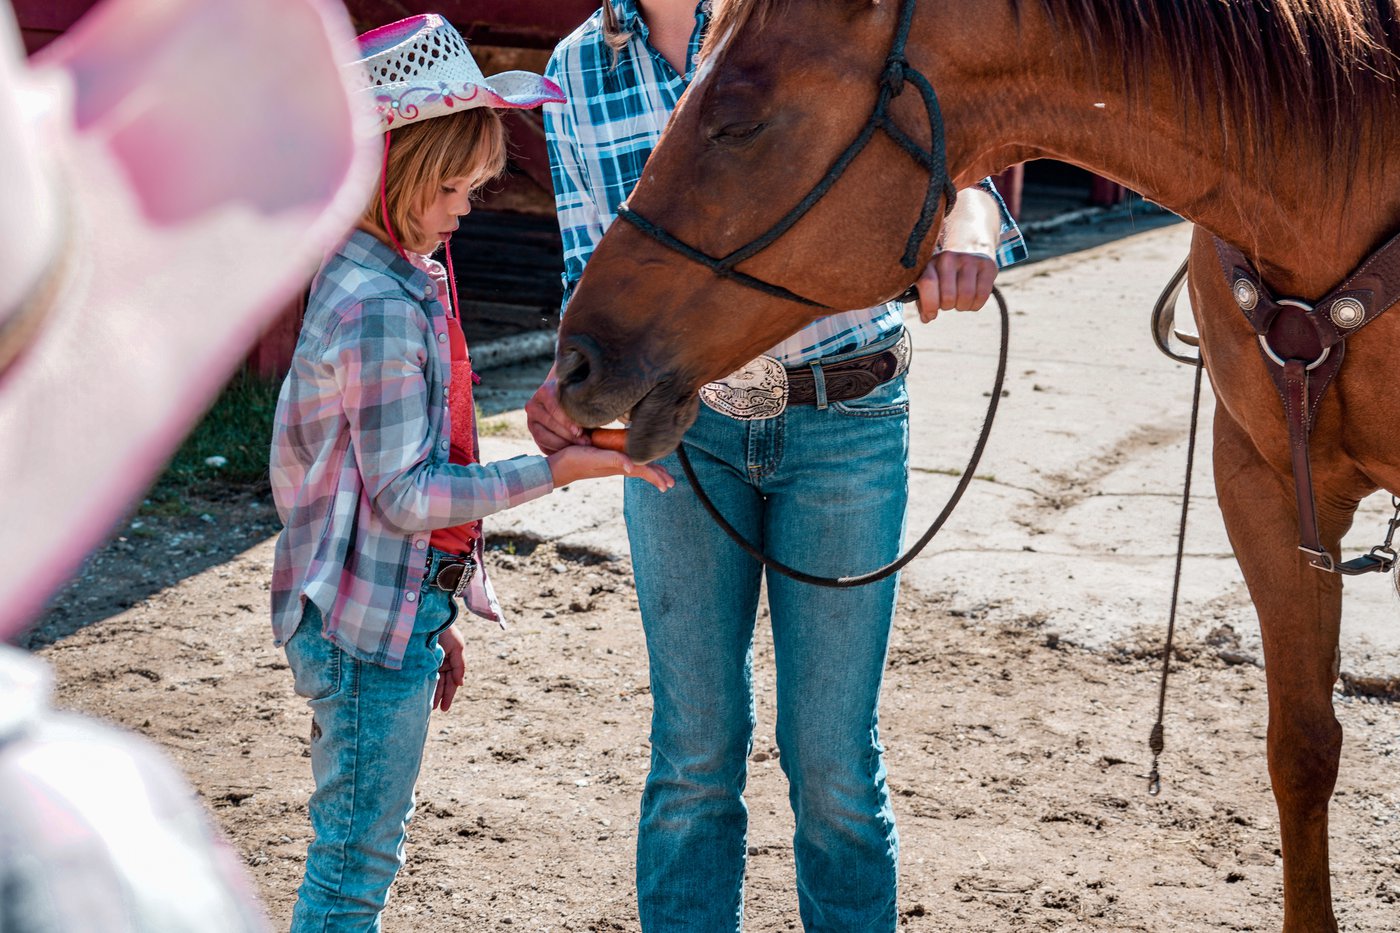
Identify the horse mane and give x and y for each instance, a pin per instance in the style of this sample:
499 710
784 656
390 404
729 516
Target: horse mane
1328 66
729 15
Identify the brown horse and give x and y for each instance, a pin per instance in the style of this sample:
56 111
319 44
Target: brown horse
1272 125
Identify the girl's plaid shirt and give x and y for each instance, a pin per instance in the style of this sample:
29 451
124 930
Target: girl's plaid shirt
599 141
360 470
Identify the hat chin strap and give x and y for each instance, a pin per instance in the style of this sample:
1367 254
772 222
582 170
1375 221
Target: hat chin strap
384 198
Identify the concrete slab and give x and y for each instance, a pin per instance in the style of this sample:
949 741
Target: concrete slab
1072 519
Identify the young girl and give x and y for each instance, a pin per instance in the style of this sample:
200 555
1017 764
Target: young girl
375 469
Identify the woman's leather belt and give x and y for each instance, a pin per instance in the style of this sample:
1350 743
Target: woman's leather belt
850 378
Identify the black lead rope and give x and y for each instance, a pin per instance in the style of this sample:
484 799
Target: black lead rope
897 73
896 566
1157 742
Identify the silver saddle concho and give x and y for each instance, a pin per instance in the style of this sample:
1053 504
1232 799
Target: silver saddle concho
756 392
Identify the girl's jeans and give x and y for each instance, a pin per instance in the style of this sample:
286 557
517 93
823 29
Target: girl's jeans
369 724
822 489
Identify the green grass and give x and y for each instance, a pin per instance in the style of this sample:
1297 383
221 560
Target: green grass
238 427
493 427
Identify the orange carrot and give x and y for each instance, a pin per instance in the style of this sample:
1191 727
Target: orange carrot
609 438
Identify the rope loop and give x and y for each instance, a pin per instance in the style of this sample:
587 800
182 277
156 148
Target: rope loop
898 564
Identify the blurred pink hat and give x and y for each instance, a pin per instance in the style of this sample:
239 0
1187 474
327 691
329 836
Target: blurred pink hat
420 68
152 225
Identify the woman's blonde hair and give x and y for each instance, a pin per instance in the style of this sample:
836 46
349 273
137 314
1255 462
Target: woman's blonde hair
470 144
613 33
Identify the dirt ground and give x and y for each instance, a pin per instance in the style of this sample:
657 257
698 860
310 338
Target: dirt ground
1015 757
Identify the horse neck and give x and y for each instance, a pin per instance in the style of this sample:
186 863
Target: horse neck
1014 100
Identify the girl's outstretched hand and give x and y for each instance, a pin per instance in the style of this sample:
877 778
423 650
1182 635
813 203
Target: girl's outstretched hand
579 462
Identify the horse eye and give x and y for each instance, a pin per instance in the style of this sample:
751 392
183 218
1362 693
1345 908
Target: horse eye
737 132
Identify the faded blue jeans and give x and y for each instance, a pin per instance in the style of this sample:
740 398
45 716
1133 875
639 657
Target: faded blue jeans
369 725
823 490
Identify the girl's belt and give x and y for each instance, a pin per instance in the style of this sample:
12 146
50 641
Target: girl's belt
454 576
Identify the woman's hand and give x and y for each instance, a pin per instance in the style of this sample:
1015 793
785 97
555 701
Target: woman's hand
453 671
549 426
579 462
961 276
955 280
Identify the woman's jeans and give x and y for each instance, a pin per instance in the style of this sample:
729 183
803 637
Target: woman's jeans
822 489
369 724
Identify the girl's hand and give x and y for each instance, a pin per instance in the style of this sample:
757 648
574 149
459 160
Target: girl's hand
579 462
454 667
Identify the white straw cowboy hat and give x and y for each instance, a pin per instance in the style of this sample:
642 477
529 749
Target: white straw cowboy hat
419 68
170 171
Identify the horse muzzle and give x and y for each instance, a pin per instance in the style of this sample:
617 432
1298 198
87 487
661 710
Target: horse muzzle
594 391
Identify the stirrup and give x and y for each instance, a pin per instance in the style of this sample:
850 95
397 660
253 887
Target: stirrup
1164 321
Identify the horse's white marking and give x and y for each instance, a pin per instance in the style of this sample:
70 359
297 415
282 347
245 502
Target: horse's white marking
708 65
1100 105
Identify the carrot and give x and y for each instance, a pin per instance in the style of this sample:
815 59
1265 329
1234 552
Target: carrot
609 438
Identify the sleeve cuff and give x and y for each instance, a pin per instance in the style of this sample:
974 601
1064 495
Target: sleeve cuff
532 478
569 286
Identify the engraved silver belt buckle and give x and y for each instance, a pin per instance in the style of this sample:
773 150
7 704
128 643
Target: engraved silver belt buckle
756 392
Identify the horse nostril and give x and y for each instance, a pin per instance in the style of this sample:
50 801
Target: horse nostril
575 361
573 368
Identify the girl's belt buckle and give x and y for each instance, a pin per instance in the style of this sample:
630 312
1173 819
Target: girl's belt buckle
454 577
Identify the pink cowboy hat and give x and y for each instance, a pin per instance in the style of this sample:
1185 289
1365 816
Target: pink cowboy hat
420 68
170 171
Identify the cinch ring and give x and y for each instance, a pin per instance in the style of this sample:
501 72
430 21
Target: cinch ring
1280 361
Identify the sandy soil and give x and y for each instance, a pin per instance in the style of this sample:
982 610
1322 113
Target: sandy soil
1015 757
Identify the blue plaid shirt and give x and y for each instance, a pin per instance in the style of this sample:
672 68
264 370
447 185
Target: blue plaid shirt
599 141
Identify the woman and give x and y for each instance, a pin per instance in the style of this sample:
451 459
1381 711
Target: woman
823 485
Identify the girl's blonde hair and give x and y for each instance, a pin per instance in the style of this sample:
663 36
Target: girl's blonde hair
470 144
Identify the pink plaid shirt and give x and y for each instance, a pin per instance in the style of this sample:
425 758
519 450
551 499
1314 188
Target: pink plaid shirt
360 470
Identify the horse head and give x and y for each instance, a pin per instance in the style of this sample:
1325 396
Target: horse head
740 233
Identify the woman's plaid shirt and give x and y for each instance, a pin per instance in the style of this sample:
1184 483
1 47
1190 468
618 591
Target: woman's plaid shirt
599 141
360 470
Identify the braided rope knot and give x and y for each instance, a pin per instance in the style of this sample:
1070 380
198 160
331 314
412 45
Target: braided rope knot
893 77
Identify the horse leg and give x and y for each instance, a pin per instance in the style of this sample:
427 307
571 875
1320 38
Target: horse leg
1299 611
